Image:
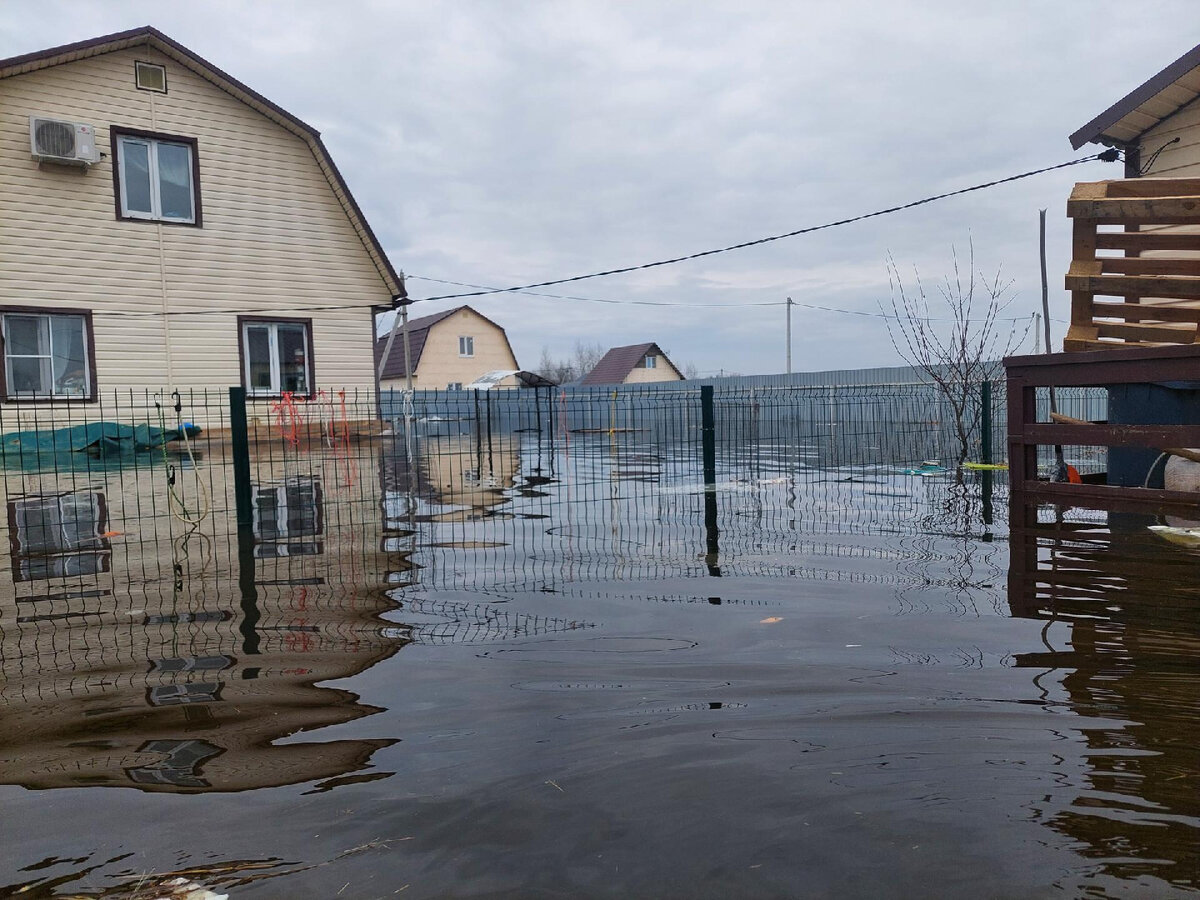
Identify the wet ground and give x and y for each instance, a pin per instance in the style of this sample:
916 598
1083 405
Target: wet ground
534 672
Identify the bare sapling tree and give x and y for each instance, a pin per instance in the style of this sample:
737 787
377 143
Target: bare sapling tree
570 368
957 337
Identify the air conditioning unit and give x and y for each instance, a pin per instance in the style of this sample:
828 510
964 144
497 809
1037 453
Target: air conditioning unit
56 141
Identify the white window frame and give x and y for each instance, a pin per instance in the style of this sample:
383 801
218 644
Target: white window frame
651 361
10 392
152 145
454 386
466 345
141 65
272 326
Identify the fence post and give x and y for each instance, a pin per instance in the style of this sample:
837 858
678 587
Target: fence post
239 435
985 422
985 450
708 440
708 434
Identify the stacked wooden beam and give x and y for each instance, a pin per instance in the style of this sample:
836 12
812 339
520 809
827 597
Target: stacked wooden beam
1139 286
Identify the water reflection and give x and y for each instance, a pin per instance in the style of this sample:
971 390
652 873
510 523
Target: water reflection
451 478
1122 636
153 670
183 662
288 517
57 536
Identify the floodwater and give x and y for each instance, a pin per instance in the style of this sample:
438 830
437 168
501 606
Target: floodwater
571 672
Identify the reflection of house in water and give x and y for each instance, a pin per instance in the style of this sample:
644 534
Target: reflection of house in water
142 660
1132 606
58 536
451 478
288 517
166 702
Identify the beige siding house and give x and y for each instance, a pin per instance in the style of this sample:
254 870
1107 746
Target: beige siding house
635 364
448 350
188 234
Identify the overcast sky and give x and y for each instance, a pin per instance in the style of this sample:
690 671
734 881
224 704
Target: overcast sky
505 143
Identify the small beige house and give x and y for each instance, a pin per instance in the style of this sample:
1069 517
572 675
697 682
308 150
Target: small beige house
447 351
635 364
162 225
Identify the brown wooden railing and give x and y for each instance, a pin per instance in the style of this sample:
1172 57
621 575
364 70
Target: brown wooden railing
1147 293
1099 368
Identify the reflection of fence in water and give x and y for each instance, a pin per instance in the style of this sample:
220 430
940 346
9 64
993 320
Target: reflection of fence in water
433 620
635 513
1121 609
116 596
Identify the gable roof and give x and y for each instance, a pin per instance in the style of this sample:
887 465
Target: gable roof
1146 105
418 332
152 37
614 367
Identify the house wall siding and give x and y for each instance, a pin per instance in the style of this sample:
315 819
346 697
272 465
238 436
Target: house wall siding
275 238
440 363
1180 160
661 372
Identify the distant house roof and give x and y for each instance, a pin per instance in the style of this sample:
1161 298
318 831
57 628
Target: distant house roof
1146 105
418 331
152 37
614 367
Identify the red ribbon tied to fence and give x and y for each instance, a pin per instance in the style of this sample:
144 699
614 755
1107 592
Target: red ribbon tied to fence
289 418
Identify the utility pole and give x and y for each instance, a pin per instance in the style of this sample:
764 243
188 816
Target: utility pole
407 351
400 323
789 335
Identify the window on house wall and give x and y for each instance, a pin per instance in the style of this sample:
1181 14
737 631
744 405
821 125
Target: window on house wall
651 362
47 356
466 346
156 178
454 386
276 357
150 77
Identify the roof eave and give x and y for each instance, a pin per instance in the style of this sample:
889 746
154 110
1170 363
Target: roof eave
1093 131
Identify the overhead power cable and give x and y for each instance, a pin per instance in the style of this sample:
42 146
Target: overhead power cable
833 309
489 289
1106 156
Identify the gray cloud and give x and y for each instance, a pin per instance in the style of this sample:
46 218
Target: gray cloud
510 142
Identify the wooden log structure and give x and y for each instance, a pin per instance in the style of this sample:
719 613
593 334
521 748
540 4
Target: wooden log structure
1097 368
1139 286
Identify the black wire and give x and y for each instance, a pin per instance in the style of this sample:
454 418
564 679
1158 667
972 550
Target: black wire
487 288
851 312
1107 157
1154 156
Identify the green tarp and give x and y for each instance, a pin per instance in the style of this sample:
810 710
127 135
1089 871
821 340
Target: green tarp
97 439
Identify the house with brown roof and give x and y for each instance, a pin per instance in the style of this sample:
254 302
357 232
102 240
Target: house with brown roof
163 225
446 350
1156 125
635 364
